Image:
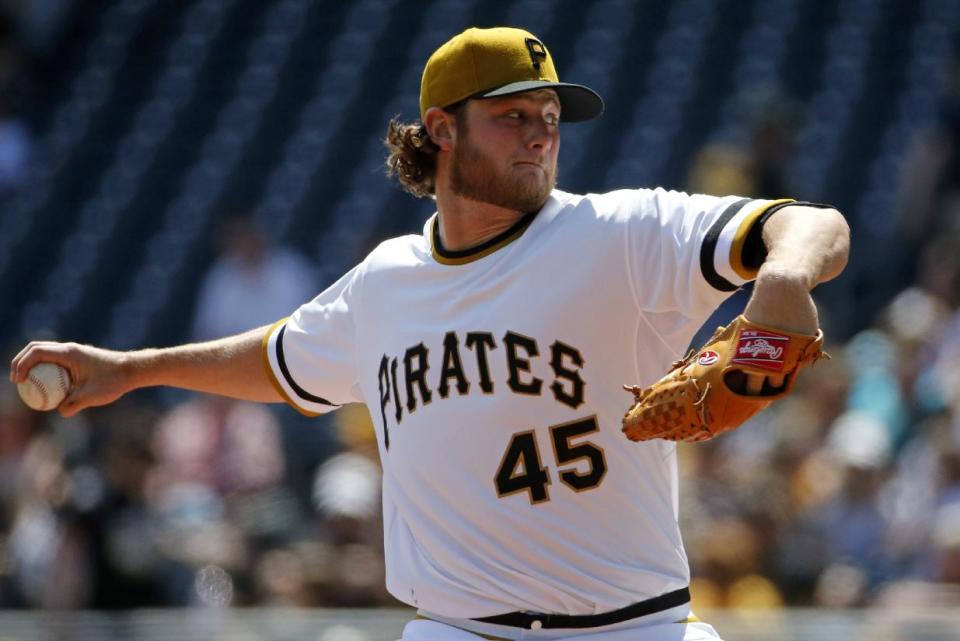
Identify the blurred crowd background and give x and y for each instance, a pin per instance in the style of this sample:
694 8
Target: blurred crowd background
183 169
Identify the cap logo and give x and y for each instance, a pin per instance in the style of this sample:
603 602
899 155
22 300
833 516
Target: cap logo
537 51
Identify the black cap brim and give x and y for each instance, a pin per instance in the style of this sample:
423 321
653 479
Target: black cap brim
577 102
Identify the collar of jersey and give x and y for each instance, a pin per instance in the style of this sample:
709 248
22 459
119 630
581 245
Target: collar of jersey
464 256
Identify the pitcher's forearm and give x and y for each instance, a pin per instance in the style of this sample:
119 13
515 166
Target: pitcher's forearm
231 366
806 246
806 243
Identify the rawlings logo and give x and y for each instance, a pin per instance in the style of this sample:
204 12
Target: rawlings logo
761 349
708 358
758 347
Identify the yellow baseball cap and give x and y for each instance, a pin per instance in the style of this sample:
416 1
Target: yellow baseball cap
483 63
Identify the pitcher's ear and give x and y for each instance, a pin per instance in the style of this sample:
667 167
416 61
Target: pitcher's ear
440 127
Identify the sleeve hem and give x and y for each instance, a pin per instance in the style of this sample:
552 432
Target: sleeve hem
712 245
271 374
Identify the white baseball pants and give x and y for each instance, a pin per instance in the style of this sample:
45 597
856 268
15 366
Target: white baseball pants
653 628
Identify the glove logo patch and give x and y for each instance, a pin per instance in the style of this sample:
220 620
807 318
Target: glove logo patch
708 358
762 349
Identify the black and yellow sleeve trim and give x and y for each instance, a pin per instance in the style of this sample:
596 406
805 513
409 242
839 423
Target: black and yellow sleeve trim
462 257
282 365
748 239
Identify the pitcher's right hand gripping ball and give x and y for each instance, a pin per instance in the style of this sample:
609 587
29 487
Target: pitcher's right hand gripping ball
46 386
698 399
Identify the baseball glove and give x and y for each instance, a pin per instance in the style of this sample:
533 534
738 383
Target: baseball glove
703 394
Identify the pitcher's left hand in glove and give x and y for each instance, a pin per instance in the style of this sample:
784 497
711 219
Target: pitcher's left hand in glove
705 393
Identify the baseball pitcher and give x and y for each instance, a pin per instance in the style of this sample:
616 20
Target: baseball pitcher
526 494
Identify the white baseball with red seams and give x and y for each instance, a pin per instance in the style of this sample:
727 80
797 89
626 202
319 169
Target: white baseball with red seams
46 386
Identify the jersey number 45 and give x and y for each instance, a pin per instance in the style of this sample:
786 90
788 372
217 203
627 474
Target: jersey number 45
581 465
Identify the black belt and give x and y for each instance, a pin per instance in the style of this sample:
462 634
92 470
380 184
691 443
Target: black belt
534 621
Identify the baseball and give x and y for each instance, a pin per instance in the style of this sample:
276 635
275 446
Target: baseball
45 388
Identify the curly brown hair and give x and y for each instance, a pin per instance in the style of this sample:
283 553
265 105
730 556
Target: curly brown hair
413 156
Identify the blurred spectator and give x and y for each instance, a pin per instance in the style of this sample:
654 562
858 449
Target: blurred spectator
772 124
756 166
945 554
45 547
251 284
721 169
347 485
217 485
232 447
109 492
851 525
346 492
929 201
18 426
938 270
875 389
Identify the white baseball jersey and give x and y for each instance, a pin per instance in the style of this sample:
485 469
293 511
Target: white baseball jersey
493 377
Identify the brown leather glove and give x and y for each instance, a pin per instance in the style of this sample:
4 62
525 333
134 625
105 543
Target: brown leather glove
699 397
